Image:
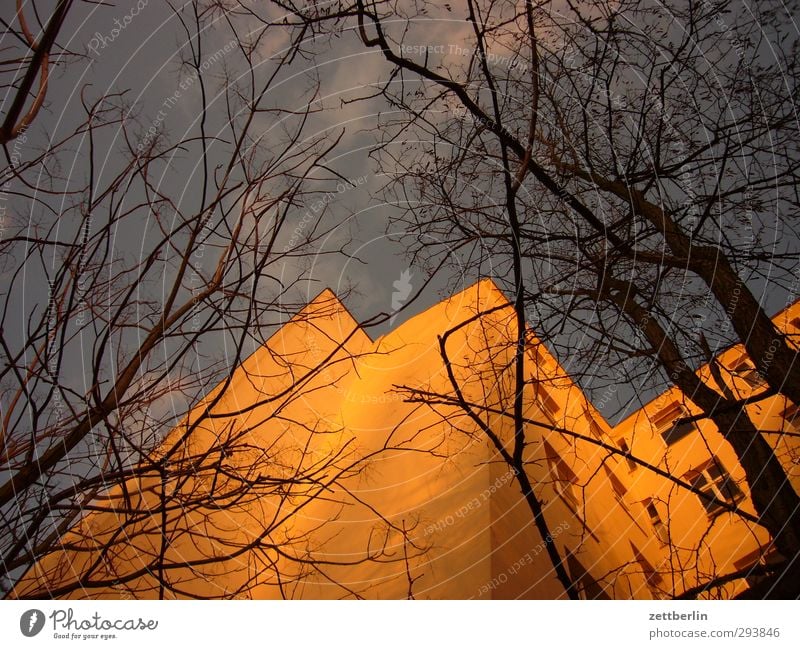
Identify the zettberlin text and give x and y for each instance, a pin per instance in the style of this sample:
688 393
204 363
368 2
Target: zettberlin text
671 615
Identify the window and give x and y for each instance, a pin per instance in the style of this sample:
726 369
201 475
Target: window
563 477
791 416
623 446
745 371
535 354
755 562
651 576
616 485
665 423
662 534
712 479
595 428
582 580
544 399
787 449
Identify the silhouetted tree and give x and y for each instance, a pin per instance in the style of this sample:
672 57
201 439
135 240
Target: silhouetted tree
628 170
131 285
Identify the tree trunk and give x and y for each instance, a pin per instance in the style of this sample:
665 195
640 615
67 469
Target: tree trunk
775 500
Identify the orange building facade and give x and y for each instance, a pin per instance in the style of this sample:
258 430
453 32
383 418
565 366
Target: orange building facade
335 466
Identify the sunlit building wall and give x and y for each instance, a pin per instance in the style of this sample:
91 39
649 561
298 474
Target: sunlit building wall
343 467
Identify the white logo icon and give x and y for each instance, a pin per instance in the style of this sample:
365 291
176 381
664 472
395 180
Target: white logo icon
402 289
31 622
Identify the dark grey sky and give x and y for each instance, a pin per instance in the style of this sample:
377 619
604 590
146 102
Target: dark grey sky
138 48
145 58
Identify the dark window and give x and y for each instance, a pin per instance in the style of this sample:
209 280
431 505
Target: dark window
791 416
677 432
748 373
563 477
547 403
651 576
669 425
616 484
582 580
756 561
659 528
623 446
713 480
596 430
